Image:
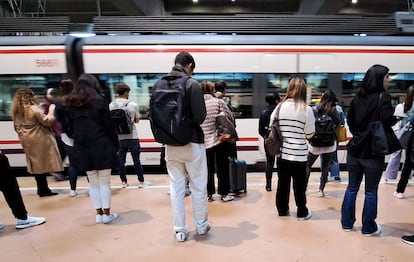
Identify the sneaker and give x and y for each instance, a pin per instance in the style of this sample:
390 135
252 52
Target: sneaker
125 184
347 229
227 198
187 191
98 219
321 193
144 184
398 195
180 236
376 233
29 222
337 179
408 239
47 194
284 214
307 217
1 226
203 232
106 219
210 198
73 193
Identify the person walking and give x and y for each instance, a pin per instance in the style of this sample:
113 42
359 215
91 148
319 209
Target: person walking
272 100
297 124
33 128
95 142
128 142
190 158
325 107
370 101
11 191
217 159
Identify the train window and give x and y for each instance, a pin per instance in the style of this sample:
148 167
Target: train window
10 83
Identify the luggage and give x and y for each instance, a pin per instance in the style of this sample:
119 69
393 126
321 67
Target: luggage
237 173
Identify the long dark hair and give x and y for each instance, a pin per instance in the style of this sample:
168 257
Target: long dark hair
409 99
328 101
373 81
86 90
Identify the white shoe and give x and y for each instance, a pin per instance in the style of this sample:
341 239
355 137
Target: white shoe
398 195
29 222
106 219
227 198
1 226
180 236
124 185
98 219
144 184
73 193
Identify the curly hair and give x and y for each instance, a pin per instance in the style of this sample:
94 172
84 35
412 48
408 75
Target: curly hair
22 100
86 90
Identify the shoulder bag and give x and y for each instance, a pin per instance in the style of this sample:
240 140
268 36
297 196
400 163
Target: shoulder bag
226 130
273 142
384 141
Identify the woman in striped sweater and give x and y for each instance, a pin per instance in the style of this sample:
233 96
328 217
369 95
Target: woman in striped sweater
297 124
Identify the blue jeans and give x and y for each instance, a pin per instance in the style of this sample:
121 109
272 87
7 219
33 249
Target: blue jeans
357 168
334 167
134 147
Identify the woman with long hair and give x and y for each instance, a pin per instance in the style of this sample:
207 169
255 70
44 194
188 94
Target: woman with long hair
327 106
34 129
371 103
297 124
95 142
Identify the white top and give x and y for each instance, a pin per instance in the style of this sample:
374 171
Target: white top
296 125
133 113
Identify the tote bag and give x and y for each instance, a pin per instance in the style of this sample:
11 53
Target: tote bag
273 142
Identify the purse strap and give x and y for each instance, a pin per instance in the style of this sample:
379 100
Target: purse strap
379 106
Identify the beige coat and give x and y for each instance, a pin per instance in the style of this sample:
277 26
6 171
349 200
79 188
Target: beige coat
38 142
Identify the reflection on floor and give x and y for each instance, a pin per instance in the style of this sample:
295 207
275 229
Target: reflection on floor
247 229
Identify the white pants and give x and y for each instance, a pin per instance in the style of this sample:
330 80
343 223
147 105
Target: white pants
100 188
190 159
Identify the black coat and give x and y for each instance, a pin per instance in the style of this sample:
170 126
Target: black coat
95 140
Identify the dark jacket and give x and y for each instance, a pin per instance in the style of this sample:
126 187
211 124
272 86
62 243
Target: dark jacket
264 120
367 107
197 104
95 140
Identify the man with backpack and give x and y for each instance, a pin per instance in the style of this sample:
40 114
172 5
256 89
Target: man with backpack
177 109
124 114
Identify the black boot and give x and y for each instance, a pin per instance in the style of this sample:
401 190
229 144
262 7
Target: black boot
43 189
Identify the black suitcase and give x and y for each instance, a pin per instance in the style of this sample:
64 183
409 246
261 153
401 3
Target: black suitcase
237 172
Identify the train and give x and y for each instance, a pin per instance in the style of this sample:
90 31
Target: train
251 65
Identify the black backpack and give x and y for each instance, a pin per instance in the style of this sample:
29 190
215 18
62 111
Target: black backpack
169 113
324 131
121 119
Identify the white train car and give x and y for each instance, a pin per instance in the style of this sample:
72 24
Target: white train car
252 66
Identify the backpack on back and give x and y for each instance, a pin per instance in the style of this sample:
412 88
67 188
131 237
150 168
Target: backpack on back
324 131
169 113
121 119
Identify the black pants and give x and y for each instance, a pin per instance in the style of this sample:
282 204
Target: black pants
10 189
270 163
287 171
218 159
42 186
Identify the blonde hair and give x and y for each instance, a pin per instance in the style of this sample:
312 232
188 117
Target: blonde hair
296 90
22 100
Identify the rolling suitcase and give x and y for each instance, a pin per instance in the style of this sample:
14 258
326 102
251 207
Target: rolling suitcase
237 172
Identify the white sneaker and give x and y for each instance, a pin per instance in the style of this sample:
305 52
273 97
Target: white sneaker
307 217
144 184
73 193
227 198
98 219
398 195
29 222
106 219
180 236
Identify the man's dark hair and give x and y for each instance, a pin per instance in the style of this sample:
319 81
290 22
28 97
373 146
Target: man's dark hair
122 88
220 86
184 59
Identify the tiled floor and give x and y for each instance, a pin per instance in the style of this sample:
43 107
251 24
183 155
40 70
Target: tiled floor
247 229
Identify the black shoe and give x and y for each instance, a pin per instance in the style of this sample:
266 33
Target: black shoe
268 189
408 239
284 214
337 178
47 194
210 198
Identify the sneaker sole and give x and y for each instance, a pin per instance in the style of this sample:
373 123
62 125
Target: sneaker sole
30 225
407 242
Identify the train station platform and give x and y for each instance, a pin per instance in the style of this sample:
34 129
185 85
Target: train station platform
246 229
